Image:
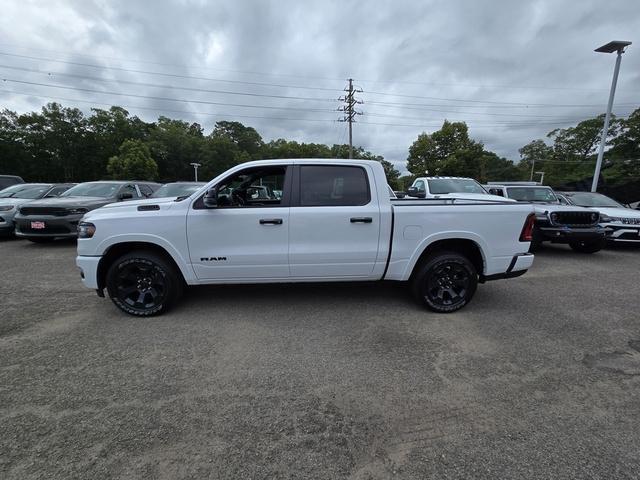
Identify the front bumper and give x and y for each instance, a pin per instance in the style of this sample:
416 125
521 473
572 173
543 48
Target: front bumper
562 234
623 233
88 270
6 223
58 227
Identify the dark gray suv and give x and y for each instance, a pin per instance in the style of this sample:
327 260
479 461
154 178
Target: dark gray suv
44 220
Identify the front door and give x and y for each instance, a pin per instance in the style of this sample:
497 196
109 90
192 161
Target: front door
334 224
246 235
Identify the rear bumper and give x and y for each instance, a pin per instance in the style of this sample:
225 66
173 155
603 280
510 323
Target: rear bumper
88 270
519 265
568 234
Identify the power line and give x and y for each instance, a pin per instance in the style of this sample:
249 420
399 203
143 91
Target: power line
139 107
349 111
155 85
168 99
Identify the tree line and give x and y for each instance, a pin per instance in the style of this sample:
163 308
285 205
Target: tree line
61 144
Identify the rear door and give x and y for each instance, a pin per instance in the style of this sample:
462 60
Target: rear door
334 222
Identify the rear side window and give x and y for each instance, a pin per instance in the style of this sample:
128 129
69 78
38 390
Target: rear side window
333 185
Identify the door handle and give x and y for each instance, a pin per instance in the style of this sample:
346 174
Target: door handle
361 219
270 221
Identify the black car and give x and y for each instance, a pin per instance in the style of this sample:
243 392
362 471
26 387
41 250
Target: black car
44 220
177 189
8 180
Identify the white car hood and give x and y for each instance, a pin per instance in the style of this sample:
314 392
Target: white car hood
135 203
552 207
619 212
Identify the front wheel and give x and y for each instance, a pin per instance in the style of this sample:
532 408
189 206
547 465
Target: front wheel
446 282
587 246
143 284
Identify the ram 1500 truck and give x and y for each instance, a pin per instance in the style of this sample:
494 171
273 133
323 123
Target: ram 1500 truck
333 221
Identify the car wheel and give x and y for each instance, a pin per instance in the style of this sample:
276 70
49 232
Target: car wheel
143 284
41 239
446 282
587 247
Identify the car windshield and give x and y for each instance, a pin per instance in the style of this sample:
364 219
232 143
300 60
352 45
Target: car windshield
176 189
454 185
532 194
588 199
93 189
25 191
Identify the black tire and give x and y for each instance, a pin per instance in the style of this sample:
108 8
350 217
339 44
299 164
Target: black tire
41 239
445 282
143 284
587 247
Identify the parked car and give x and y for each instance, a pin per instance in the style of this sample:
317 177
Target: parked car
444 187
8 180
44 220
334 222
622 224
577 226
14 196
177 189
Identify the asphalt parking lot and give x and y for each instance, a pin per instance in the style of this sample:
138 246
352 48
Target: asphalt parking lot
538 378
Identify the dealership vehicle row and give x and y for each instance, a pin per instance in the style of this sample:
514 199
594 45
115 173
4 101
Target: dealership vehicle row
307 221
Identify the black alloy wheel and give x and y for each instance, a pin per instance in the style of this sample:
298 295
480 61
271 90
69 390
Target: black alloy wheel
143 284
446 282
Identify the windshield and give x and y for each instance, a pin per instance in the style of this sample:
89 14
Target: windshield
454 185
92 189
25 191
532 194
588 199
176 189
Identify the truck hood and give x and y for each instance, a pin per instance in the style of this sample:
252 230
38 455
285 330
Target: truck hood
136 203
553 207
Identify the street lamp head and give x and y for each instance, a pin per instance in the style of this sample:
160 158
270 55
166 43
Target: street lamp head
615 46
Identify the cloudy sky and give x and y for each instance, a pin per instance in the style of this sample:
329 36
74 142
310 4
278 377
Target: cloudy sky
512 70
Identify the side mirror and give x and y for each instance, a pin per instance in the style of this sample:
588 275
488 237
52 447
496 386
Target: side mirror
414 192
125 196
210 198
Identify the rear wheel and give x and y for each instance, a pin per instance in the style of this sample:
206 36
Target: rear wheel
445 282
587 247
143 284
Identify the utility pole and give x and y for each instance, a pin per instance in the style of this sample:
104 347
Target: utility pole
350 113
195 169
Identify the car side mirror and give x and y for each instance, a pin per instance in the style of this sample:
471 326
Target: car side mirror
210 198
125 196
414 192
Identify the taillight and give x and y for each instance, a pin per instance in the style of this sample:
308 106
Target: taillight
527 230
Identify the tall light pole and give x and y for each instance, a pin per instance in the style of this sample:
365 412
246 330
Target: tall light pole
195 169
615 46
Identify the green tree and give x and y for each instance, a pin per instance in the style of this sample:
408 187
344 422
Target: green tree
134 162
247 139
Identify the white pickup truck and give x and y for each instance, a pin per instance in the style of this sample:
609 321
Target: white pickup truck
334 221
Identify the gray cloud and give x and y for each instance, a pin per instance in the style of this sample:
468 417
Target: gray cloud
460 55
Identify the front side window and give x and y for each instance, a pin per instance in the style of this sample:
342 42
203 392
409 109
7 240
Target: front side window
333 185
256 187
420 186
129 189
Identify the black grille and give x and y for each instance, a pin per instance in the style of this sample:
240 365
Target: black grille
54 211
575 219
56 229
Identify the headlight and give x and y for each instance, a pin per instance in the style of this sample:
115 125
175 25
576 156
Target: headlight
78 211
86 230
6 208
